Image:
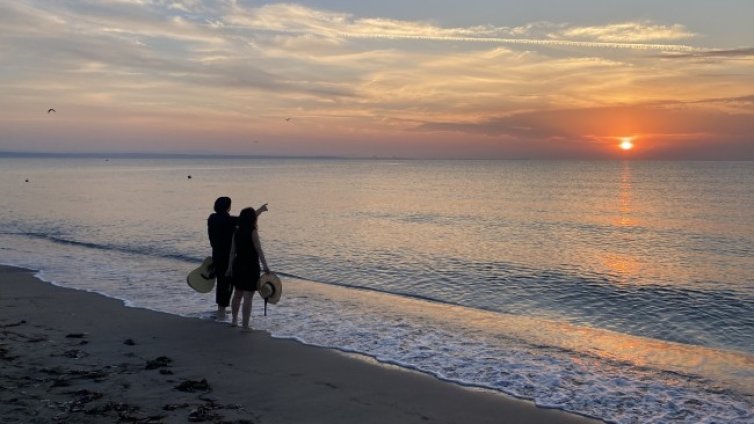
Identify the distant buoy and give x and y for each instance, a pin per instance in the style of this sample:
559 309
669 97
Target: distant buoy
189 177
27 180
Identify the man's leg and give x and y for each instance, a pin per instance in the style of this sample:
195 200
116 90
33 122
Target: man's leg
223 291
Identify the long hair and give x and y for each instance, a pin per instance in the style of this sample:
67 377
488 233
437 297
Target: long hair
247 223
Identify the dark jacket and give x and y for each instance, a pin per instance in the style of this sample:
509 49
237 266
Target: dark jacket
220 227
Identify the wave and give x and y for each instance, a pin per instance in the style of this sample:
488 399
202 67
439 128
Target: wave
613 376
715 318
101 246
721 318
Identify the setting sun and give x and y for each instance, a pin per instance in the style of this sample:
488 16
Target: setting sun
626 143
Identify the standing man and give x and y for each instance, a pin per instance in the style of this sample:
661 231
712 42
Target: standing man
220 227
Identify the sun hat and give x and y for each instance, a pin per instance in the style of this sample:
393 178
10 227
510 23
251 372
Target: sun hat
270 288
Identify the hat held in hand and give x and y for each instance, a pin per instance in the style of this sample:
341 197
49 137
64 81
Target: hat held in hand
270 288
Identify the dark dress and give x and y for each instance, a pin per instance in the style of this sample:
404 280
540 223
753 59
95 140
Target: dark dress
220 227
246 269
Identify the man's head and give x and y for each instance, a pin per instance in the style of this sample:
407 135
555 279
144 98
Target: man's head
222 204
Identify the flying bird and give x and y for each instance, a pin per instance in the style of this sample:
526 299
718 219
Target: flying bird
51 110
288 119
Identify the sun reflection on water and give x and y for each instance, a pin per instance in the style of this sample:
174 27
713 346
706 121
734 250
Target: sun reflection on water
622 262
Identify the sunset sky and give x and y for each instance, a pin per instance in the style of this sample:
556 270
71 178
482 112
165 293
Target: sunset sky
429 78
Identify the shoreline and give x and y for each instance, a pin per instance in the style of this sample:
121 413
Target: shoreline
83 356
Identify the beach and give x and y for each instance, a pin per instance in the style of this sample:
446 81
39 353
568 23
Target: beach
508 211
74 356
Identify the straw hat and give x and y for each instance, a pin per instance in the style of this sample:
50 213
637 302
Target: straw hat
270 287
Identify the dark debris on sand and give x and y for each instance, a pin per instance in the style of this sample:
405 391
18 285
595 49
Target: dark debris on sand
203 413
192 386
13 324
174 406
75 354
5 354
42 383
159 362
82 397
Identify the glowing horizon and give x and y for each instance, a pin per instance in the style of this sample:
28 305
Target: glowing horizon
497 80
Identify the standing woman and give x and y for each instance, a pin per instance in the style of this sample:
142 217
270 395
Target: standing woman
220 226
245 266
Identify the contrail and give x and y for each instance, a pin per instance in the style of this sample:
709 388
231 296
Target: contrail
491 40
528 41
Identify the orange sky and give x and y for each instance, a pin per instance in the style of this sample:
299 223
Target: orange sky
221 77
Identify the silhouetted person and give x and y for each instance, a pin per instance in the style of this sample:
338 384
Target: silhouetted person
245 267
220 227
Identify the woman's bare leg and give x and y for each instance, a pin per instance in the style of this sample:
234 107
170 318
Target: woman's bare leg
235 304
247 307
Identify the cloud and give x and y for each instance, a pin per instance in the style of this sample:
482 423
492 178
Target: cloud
228 69
658 121
741 53
129 40
627 32
297 19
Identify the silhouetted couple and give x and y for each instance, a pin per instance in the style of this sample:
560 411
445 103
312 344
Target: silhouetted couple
236 254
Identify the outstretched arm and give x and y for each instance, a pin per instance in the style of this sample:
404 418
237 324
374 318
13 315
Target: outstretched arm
261 209
258 246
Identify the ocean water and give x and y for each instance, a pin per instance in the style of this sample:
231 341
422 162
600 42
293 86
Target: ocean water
618 290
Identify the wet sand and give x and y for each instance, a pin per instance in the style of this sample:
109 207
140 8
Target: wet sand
72 356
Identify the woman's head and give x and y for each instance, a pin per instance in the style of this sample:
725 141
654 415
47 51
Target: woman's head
222 204
247 221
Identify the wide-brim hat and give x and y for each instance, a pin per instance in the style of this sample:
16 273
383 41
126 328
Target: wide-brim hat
202 279
270 287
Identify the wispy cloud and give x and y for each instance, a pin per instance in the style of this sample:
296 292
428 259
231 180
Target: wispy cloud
296 19
627 32
741 53
656 121
530 42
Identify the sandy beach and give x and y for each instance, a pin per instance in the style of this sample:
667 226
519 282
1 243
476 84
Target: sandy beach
74 356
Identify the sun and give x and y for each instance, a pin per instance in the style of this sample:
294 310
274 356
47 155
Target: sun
626 143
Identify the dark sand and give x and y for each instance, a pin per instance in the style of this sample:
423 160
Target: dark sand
72 356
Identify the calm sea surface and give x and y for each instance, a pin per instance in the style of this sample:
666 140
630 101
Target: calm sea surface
620 290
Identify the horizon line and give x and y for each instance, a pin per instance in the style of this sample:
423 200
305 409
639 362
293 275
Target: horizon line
163 155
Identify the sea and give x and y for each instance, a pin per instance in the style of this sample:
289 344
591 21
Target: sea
621 290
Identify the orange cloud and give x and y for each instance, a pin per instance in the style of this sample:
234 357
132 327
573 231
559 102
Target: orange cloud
699 130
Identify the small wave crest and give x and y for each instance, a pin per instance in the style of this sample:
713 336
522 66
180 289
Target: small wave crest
137 250
709 317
